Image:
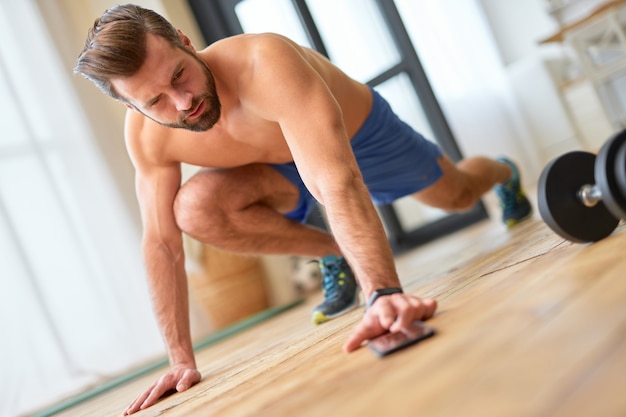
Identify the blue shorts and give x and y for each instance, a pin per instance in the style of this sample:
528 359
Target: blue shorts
394 159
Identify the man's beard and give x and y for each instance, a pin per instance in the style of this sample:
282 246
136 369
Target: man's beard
212 111
206 120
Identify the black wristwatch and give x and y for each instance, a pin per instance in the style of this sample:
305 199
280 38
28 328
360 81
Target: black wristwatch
381 292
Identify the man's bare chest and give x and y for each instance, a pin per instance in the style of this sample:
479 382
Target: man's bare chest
232 142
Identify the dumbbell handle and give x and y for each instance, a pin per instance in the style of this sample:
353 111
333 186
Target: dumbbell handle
589 195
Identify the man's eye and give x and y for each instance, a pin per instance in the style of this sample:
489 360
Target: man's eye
178 74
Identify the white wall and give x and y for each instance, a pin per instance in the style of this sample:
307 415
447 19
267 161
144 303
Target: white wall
518 26
557 112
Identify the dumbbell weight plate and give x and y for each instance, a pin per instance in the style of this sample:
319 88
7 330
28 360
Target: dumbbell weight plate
620 167
560 206
606 171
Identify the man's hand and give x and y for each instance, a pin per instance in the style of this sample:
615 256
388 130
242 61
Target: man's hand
390 313
178 378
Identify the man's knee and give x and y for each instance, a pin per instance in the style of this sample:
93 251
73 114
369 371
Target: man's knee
198 205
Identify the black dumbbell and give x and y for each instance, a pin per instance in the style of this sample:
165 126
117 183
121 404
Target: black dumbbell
581 196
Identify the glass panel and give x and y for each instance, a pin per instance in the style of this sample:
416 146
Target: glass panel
278 16
400 94
412 214
356 36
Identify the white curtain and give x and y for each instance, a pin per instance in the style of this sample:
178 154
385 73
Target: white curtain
74 308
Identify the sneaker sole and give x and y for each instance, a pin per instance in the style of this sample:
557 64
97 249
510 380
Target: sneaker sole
511 223
318 317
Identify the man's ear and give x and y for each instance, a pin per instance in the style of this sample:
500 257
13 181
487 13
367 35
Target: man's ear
129 106
186 40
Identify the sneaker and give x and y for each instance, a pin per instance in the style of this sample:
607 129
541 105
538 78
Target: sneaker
339 287
515 205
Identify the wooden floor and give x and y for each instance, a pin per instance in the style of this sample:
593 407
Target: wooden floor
529 325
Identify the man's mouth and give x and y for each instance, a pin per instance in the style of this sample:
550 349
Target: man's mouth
198 111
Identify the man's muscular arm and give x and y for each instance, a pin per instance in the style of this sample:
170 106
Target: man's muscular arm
162 247
288 88
284 87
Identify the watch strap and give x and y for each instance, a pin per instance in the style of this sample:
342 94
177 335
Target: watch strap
380 292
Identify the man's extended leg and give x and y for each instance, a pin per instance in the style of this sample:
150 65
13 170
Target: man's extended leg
463 184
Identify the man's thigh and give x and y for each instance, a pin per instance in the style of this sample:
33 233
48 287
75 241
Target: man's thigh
449 190
239 187
305 202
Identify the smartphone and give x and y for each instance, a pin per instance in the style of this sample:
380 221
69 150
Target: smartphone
392 342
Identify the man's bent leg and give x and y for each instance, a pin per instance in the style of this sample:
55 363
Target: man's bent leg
242 210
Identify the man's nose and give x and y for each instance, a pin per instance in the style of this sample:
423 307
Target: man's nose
183 100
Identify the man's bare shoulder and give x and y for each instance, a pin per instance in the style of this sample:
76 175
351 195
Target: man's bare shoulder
145 139
248 49
233 44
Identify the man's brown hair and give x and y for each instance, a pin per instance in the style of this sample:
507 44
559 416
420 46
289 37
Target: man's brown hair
116 44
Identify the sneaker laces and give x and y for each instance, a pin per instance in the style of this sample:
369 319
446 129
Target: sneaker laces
330 278
508 191
508 196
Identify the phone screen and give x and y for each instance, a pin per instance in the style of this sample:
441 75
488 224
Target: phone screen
392 342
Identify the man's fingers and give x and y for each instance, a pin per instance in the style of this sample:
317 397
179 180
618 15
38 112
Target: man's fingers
179 380
189 378
386 313
414 309
430 308
368 328
356 339
164 385
373 324
406 310
390 313
134 406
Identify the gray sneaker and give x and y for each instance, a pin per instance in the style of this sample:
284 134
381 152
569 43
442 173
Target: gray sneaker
341 291
515 206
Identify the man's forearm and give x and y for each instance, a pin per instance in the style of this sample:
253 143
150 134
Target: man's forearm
170 300
361 237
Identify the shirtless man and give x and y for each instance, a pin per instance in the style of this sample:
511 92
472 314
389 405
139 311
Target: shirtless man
276 127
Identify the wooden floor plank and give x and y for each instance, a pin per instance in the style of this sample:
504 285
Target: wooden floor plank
529 325
537 371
